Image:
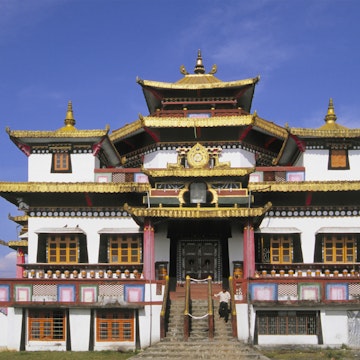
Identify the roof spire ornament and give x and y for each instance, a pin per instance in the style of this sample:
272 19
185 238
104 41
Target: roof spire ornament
199 67
69 119
330 116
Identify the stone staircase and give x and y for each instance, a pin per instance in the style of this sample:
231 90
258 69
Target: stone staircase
198 345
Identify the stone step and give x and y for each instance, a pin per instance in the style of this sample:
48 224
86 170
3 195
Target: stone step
200 350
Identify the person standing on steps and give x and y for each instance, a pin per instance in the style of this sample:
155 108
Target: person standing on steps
224 298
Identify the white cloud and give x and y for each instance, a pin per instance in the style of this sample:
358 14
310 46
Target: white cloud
18 15
8 265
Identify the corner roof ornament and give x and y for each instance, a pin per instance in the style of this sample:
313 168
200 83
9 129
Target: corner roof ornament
330 116
199 67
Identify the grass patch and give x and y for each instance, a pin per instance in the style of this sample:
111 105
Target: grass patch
69 355
312 354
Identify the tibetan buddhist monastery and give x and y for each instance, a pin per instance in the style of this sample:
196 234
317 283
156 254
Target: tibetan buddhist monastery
201 192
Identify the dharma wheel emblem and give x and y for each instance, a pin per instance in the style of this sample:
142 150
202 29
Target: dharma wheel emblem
198 156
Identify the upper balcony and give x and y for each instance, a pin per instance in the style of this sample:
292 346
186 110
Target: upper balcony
206 112
277 174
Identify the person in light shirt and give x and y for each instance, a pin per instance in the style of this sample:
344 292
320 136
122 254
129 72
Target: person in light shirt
224 298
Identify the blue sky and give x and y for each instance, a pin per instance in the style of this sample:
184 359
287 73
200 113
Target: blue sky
91 51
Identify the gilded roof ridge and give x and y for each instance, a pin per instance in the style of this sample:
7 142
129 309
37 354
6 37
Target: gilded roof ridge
297 186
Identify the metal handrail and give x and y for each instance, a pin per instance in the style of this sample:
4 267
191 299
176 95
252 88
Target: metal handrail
187 308
210 309
164 313
233 307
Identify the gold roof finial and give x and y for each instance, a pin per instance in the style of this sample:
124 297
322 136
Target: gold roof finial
330 116
69 119
199 67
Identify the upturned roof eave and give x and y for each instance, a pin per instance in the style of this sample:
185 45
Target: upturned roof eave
66 187
185 122
325 133
197 85
31 136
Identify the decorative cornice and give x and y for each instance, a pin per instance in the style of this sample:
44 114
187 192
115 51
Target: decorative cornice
199 81
295 186
126 130
320 133
270 127
198 212
46 187
206 122
17 243
194 172
32 134
78 212
313 211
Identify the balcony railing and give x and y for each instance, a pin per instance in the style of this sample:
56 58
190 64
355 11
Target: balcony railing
76 292
205 112
82 271
299 290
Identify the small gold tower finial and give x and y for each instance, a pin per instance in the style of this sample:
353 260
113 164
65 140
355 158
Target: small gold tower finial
69 119
199 67
330 116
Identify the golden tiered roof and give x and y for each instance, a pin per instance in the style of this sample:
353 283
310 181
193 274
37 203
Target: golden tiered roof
66 134
331 129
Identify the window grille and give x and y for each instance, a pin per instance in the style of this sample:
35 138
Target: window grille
287 323
115 325
46 325
63 249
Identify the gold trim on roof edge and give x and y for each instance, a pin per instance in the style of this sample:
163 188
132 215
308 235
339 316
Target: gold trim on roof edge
195 172
188 213
334 133
186 122
305 186
18 219
270 127
18 243
56 134
126 130
38 187
198 85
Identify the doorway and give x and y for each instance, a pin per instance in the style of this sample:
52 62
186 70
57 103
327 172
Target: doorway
200 259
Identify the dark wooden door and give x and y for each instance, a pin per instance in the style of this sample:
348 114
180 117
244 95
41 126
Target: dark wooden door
200 259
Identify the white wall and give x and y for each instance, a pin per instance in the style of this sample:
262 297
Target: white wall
242 321
79 329
334 324
4 330
90 225
236 246
159 159
82 165
238 158
149 323
162 244
14 319
316 166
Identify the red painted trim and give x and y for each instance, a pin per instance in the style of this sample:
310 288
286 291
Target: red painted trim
154 134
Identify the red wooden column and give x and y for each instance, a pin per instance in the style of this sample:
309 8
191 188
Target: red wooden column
20 259
249 251
149 251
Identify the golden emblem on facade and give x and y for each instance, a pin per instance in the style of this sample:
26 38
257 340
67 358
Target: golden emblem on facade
198 156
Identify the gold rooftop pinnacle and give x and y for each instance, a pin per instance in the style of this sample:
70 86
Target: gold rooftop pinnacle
199 67
330 116
69 120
